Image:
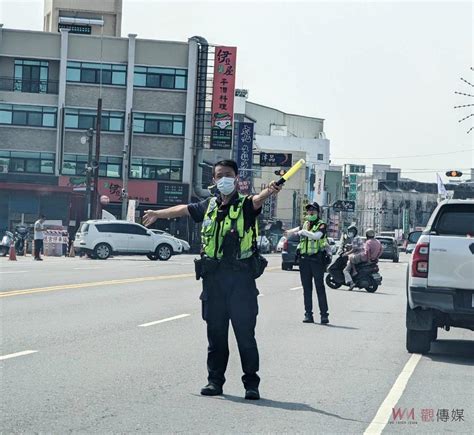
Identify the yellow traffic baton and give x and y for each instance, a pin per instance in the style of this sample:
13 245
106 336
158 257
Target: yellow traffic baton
292 171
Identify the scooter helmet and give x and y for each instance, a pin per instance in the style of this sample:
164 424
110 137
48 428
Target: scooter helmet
352 229
370 233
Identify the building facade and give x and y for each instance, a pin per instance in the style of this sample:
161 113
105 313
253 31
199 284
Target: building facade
50 84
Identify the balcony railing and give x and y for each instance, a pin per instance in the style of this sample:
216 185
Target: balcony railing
30 86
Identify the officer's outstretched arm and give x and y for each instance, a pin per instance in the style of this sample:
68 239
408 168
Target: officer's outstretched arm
151 216
259 199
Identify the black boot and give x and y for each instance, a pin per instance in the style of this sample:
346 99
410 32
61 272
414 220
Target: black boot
324 319
211 390
308 318
252 393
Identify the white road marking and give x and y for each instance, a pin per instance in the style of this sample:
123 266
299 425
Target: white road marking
15 271
14 355
165 320
87 268
383 414
296 288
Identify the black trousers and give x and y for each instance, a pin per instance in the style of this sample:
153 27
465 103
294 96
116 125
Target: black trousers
312 268
38 247
231 295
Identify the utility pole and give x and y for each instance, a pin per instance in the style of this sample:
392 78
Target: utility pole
125 169
88 139
95 202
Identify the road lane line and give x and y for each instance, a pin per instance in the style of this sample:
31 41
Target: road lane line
93 284
180 316
15 271
385 411
14 355
296 288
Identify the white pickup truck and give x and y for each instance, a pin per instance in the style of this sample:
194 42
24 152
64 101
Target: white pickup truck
440 276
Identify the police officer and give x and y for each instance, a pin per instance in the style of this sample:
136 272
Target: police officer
312 249
226 266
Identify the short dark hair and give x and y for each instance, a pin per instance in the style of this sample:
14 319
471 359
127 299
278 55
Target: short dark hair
227 163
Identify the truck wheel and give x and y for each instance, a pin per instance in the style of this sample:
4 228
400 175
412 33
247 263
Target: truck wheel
418 341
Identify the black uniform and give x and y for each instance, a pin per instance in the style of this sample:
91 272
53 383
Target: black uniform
230 293
312 267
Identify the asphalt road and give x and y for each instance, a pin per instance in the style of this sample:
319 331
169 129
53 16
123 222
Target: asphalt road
120 346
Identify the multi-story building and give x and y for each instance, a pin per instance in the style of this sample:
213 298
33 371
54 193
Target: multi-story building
50 85
387 202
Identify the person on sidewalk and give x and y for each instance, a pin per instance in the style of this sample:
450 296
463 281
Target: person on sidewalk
38 237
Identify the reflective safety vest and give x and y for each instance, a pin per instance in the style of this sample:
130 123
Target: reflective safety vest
308 246
213 232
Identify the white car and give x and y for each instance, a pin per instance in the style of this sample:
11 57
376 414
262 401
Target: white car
184 243
102 238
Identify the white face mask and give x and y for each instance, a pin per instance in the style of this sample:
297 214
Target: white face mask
226 185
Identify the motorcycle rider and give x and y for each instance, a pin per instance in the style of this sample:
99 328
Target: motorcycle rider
368 252
373 248
356 255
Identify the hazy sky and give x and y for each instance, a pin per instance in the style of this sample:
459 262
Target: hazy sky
383 75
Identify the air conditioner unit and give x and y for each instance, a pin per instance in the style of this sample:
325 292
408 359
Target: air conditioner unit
3 168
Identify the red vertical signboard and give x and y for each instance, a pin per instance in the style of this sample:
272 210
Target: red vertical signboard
223 97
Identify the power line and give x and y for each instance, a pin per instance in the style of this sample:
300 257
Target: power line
403 157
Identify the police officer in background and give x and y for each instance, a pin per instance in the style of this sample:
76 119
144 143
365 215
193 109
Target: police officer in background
228 267
312 249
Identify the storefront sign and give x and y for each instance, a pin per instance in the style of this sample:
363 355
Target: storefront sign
172 194
276 159
143 191
244 143
223 97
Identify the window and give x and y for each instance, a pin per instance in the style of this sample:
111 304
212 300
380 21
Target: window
162 78
157 169
75 164
110 167
158 124
31 76
28 162
83 119
96 73
33 116
135 229
320 156
456 220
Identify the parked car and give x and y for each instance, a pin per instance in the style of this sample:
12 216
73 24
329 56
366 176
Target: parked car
440 285
412 241
288 253
390 248
102 238
264 244
184 243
